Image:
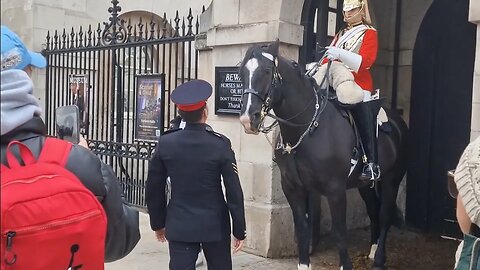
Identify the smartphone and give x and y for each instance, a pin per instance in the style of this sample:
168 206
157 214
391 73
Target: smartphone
67 123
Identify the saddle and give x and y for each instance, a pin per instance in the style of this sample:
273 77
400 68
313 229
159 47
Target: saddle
345 110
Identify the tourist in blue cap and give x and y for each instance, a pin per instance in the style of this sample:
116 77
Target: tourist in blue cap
20 121
196 159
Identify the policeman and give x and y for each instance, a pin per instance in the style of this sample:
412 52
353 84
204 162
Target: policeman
196 159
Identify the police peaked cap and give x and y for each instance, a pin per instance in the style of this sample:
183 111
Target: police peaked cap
191 95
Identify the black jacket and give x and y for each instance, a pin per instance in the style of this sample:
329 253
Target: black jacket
122 231
195 159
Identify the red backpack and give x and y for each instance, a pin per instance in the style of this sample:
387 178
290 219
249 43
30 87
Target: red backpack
50 220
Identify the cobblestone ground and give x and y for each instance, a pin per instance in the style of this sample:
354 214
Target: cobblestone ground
407 251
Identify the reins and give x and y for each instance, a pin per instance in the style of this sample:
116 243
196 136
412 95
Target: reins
319 108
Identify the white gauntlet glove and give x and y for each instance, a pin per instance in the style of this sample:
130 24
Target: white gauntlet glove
350 59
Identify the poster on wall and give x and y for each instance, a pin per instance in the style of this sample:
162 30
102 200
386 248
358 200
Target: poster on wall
79 89
149 112
228 90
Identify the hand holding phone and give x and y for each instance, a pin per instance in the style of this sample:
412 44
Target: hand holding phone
67 123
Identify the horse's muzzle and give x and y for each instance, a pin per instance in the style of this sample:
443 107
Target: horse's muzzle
247 125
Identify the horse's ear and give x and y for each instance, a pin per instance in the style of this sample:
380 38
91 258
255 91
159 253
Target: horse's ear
273 48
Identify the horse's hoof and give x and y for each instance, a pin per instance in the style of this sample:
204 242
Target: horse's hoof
373 250
304 267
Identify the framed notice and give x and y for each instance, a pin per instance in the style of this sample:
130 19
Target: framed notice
228 91
150 106
78 84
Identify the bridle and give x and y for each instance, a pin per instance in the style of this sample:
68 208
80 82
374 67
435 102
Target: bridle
267 104
267 101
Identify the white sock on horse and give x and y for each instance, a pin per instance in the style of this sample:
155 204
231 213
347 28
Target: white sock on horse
373 250
304 267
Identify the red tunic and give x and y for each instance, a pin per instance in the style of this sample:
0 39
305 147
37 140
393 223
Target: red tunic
365 45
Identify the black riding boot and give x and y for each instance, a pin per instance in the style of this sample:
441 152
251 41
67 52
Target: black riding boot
365 115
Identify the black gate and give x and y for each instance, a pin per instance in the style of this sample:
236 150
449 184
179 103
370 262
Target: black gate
108 60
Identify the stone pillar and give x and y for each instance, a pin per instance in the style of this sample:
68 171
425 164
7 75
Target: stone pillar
228 29
475 18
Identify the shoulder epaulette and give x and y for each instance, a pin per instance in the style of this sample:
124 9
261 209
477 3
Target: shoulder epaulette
171 131
210 130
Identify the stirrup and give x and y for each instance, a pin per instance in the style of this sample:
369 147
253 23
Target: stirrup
369 173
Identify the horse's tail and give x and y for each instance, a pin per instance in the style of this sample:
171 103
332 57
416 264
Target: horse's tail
400 132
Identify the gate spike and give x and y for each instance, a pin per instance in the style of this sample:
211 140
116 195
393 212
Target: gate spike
89 35
55 40
99 35
48 40
72 39
164 27
203 8
64 39
190 22
140 29
152 29
177 27
129 28
80 39
183 26
197 25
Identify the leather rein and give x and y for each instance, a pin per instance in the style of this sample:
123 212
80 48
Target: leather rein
267 107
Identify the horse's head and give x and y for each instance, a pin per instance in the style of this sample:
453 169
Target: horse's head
259 76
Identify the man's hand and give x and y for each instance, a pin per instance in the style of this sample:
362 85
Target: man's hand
160 234
237 245
334 53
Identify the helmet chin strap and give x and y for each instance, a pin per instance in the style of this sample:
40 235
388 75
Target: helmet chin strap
353 20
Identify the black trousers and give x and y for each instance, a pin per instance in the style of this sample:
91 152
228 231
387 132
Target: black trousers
183 255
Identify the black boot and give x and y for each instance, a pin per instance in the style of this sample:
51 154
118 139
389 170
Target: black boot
365 115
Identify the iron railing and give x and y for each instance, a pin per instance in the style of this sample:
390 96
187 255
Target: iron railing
111 57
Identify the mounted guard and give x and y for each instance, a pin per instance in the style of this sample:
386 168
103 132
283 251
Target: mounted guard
353 52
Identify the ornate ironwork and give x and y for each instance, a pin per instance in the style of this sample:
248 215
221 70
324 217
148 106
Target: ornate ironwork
109 56
141 150
114 31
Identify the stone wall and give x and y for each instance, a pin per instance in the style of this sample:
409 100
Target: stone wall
385 15
228 33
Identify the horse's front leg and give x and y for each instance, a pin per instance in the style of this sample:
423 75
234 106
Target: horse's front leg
297 198
338 208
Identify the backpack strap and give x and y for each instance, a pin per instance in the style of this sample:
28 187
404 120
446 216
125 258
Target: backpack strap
25 154
55 151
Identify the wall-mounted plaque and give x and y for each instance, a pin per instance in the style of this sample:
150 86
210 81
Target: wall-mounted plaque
228 90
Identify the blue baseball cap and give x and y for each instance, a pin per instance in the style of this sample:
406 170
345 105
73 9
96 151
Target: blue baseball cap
14 53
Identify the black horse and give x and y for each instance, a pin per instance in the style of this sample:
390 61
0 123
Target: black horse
315 150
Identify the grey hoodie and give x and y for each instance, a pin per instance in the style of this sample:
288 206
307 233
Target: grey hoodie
18 104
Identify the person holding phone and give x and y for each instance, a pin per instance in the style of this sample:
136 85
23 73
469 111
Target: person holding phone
20 121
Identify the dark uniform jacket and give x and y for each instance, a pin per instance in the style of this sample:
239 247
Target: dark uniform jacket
122 229
195 158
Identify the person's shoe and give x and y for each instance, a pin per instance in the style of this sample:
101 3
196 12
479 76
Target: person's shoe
371 172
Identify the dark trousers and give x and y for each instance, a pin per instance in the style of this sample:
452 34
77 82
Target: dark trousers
183 255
